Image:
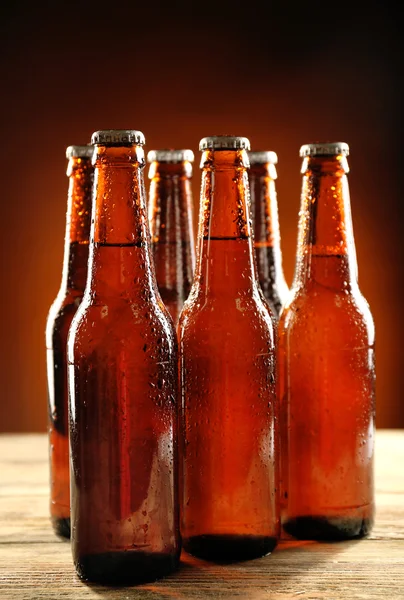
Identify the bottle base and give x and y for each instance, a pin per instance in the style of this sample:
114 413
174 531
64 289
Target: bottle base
328 529
126 567
229 548
61 526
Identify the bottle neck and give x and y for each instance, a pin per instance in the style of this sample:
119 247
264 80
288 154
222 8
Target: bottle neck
120 263
78 222
170 204
225 262
264 211
326 249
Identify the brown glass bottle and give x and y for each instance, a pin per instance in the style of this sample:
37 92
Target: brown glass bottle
171 225
229 499
326 365
80 172
264 211
122 387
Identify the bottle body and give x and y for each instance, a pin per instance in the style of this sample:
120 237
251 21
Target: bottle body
229 496
123 393
171 227
262 176
326 370
61 313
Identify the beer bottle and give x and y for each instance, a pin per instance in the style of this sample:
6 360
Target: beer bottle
80 172
122 386
326 365
229 497
171 225
264 211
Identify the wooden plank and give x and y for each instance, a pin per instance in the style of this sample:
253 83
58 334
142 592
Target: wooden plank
24 463
17 448
24 466
364 569
35 565
17 452
389 461
28 518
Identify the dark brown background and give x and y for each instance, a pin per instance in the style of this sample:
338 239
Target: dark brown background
282 75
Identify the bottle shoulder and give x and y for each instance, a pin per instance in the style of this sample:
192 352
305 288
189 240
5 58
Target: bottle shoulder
320 308
317 294
240 319
61 313
118 325
65 297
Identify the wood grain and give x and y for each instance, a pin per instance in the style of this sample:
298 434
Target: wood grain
36 565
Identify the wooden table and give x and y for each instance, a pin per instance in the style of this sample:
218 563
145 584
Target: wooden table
35 564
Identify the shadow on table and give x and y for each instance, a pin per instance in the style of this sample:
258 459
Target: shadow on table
285 570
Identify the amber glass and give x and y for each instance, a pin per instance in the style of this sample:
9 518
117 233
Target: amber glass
229 495
122 392
171 227
80 172
264 211
326 370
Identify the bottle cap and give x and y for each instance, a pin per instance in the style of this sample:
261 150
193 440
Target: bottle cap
170 156
325 149
80 151
262 157
224 142
118 137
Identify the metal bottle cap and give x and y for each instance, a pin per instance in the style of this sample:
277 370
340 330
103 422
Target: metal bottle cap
224 142
325 149
118 137
80 151
262 157
170 156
